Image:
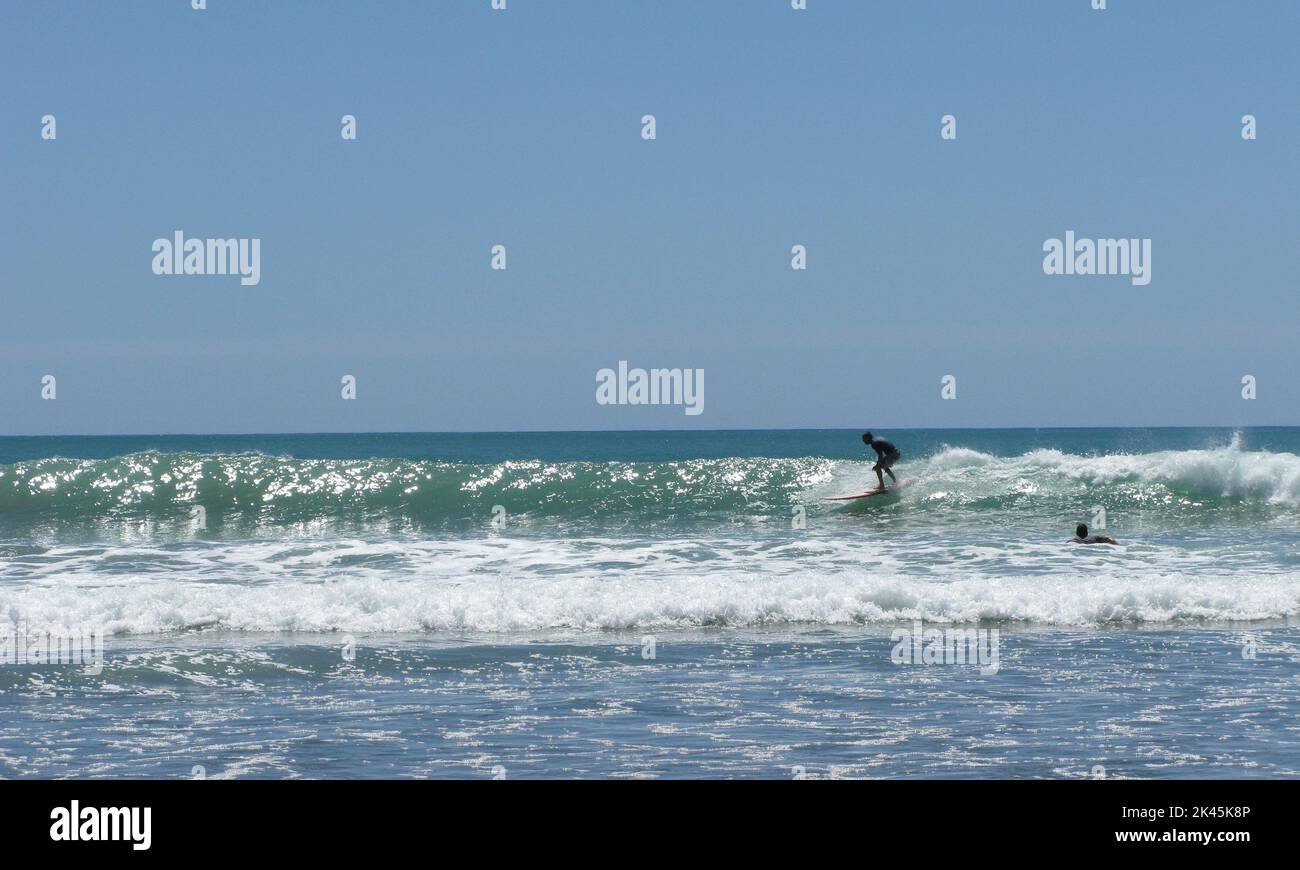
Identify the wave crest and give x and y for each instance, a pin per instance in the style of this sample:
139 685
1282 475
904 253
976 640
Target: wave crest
245 492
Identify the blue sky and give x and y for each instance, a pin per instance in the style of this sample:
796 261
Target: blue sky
522 127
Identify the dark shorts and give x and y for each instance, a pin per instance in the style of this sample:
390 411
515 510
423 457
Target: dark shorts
887 461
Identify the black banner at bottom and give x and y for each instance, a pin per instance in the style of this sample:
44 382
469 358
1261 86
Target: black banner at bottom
301 819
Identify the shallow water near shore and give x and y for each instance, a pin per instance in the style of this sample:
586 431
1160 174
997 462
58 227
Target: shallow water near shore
770 703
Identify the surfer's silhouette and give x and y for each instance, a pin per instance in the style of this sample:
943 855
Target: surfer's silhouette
1081 536
886 455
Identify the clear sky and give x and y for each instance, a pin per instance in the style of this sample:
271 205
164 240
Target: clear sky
775 128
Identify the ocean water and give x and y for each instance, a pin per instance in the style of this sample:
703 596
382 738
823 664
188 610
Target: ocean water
652 604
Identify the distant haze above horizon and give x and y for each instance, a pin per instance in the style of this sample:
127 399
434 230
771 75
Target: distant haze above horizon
523 128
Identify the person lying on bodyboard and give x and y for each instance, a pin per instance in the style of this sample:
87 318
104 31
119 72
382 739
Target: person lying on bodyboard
886 455
1081 536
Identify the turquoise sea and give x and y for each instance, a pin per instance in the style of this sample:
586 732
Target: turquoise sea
651 604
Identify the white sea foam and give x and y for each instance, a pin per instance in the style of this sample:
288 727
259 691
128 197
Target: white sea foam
1255 476
511 585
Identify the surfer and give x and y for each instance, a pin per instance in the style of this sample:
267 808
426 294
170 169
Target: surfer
886 455
1081 536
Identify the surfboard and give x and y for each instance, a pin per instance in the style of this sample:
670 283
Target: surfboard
869 493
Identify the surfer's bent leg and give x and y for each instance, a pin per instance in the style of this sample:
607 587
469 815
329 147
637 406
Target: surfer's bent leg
888 462
876 468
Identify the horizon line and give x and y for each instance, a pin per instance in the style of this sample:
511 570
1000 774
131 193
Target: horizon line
637 431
